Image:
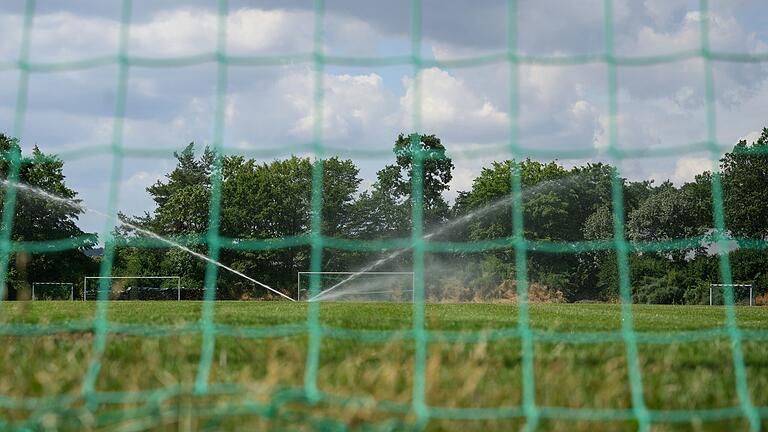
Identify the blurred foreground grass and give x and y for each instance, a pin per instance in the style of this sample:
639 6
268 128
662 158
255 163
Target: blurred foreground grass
474 367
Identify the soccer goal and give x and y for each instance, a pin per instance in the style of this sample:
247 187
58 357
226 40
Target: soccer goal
53 291
717 296
357 286
124 290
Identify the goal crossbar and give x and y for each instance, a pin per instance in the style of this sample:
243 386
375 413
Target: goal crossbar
711 286
178 281
71 288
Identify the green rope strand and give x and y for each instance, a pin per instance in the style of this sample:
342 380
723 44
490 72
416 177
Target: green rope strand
530 409
101 323
316 238
418 402
417 410
622 251
719 218
214 206
9 198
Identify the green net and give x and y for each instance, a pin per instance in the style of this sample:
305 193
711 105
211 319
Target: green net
148 403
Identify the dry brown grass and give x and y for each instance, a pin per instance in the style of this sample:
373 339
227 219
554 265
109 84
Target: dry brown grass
372 381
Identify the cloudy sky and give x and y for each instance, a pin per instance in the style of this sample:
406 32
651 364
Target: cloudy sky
561 107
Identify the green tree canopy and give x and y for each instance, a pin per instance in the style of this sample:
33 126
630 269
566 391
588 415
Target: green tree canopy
38 219
437 174
272 200
745 188
669 213
259 200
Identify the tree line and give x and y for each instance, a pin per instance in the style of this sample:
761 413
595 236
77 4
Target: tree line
567 215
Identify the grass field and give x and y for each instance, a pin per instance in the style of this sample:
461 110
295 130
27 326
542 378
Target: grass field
151 358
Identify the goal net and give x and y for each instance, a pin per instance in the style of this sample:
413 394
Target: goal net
743 294
53 291
136 288
356 286
606 127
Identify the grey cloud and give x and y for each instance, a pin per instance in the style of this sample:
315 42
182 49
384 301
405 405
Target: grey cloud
561 107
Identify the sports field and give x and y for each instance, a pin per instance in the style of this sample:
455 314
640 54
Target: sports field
473 368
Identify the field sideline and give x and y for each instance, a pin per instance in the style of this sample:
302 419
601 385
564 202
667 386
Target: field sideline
461 374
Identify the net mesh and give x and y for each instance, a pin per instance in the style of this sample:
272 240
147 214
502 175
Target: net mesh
420 336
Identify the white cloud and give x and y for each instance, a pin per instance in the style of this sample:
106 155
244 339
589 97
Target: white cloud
560 107
566 26
175 32
65 36
347 35
726 34
686 168
450 109
679 170
251 31
586 119
141 179
9 43
751 137
733 120
351 104
633 132
664 11
462 180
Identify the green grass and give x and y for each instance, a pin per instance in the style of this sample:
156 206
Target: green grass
150 363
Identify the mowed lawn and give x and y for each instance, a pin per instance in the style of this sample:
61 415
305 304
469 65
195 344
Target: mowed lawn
473 373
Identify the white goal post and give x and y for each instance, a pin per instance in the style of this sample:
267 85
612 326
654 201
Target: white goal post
713 286
346 276
178 282
42 284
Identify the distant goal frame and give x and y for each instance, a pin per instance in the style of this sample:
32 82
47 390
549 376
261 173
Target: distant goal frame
71 288
751 291
178 282
351 273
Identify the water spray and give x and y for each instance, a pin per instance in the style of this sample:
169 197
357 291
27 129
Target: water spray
76 204
506 199
456 222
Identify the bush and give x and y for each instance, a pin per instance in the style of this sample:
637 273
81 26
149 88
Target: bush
761 300
537 293
697 293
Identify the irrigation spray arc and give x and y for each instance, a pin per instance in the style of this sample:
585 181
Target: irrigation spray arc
327 295
324 295
488 208
78 205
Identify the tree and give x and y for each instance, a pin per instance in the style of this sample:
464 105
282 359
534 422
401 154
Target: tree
668 214
745 176
383 212
271 201
545 204
751 266
259 201
38 219
698 197
437 174
182 210
182 200
551 197
341 180
599 225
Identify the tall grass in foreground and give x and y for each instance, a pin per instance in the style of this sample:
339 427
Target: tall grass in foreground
257 382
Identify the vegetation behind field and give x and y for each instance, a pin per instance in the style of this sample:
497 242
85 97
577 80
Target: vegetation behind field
271 200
